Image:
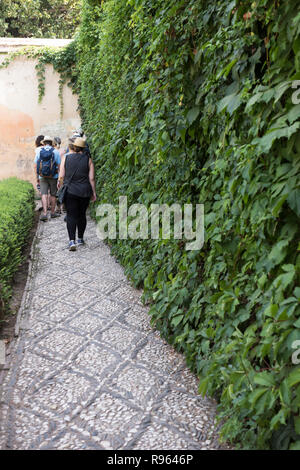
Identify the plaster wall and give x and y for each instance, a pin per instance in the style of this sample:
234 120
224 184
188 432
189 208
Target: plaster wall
22 118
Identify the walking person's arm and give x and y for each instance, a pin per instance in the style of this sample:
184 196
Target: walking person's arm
37 176
57 160
92 180
61 175
35 165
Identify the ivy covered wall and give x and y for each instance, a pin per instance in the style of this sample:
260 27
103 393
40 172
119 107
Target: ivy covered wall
193 102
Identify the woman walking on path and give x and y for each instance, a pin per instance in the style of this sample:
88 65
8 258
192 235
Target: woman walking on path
77 169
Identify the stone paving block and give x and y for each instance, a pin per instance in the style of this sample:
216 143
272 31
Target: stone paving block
63 286
109 421
136 317
50 256
183 408
128 294
79 297
38 300
96 360
126 339
27 428
106 268
138 385
87 323
81 278
34 370
102 285
42 278
67 440
60 344
60 395
183 378
59 269
159 436
106 307
57 312
48 248
160 356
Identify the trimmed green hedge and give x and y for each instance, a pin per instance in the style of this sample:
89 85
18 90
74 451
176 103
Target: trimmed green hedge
16 219
191 102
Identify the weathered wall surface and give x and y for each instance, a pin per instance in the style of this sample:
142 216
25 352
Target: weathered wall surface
22 118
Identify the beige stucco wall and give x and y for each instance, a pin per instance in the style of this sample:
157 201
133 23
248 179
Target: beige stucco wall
22 118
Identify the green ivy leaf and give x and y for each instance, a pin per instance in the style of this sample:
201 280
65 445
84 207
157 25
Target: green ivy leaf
264 378
193 114
176 320
294 201
294 377
265 143
295 446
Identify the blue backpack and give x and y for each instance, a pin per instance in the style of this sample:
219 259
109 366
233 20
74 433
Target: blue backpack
46 165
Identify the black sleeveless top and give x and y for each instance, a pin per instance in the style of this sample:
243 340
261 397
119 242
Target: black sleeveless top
80 184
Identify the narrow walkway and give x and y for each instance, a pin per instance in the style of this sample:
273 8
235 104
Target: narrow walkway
87 370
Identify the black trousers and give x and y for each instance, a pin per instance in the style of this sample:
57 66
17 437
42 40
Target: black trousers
76 215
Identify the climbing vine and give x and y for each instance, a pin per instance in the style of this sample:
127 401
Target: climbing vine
63 61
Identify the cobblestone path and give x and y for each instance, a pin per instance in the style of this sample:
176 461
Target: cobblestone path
87 370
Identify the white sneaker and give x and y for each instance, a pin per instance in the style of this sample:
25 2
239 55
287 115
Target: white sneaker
72 245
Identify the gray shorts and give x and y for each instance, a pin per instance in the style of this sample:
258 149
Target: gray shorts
48 184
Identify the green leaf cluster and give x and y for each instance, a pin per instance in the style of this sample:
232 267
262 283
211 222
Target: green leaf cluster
39 18
192 102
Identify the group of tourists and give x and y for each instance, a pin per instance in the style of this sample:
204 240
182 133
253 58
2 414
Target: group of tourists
70 170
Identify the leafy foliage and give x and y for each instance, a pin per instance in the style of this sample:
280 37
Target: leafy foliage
16 218
39 18
191 102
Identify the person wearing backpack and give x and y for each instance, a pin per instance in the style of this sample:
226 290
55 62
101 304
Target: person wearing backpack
38 143
47 163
